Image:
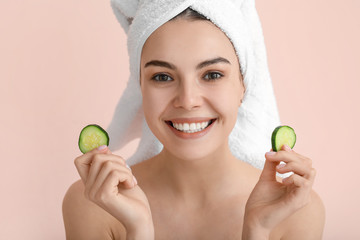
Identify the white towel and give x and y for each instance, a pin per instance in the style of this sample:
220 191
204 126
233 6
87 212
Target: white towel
238 19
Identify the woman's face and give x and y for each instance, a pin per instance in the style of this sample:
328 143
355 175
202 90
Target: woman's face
191 87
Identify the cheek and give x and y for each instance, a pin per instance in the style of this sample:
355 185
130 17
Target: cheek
229 98
227 104
153 103
149 104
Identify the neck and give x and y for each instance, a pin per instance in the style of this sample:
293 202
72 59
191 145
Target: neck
194 181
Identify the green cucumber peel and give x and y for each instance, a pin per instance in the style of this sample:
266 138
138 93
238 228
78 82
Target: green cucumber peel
283 135
92 136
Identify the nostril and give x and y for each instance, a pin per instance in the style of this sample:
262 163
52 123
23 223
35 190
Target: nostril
188 103
188 97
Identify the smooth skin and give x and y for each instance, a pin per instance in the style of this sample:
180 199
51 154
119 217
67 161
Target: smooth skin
195 188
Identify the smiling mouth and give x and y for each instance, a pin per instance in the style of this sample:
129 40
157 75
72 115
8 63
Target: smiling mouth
191 127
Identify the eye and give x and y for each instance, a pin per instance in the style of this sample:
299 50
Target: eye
162 78
212 76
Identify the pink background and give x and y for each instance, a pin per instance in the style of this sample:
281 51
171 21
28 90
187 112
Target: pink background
63 64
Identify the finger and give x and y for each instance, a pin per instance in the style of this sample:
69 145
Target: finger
295 167
297 181
294 162
288 149
83 162
106 149
312 175
111 185
97 161
106 169
299 189
287 156
269 171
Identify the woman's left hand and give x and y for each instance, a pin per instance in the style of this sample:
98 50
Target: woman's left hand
272 201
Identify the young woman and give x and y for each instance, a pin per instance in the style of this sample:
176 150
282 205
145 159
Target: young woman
195 188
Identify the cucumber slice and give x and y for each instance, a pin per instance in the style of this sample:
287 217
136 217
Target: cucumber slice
283 135
92 136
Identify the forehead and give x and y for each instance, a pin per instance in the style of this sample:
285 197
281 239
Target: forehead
194 40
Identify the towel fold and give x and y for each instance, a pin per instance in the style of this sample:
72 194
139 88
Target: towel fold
238 19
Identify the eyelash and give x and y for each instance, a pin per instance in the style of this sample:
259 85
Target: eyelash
156 77
206 77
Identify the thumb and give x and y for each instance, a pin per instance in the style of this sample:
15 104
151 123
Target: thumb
107 150
102 149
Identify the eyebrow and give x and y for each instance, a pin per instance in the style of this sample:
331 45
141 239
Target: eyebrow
160 64
203 64
212 61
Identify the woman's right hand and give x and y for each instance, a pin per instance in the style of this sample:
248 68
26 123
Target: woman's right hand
111 185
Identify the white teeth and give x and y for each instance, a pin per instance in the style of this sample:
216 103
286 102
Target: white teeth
191 127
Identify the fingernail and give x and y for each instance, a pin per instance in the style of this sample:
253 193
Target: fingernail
128 167
281 165
102 147
270 153
135 180
287 148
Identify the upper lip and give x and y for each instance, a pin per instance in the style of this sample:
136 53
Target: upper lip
189 120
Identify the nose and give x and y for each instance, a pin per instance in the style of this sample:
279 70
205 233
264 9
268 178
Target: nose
188 95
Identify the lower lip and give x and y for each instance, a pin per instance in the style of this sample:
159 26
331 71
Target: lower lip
194 135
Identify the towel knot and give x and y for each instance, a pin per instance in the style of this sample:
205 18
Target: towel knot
125 11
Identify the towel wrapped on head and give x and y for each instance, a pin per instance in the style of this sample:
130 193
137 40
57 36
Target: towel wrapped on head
238 19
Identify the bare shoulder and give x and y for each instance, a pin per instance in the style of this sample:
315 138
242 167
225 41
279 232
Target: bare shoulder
85 220
308 222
